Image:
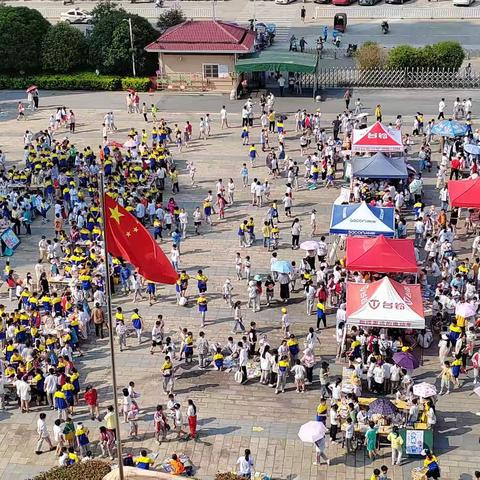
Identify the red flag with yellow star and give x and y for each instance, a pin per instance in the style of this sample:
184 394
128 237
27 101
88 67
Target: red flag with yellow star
129 239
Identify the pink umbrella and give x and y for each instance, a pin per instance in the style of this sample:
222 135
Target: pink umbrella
31 88
465 310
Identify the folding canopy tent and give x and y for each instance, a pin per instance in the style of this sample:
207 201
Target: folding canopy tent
377 138
361 219
277 61
385 303
379 166
464 193
381 254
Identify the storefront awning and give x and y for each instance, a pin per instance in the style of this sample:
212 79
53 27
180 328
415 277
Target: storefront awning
277 61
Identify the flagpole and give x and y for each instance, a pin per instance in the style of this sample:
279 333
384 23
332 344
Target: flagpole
110 326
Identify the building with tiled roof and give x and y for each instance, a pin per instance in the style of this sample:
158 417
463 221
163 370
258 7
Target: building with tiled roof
201 52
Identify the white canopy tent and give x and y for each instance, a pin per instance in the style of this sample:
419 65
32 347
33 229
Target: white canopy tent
385 303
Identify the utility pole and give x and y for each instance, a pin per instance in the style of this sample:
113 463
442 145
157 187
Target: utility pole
129 20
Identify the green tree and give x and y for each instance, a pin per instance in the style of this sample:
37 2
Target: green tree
109 43
103 8
448 54
64 49
370 56
404 56
22 31
170 18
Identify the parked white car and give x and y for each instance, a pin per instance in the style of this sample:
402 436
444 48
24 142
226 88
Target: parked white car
284 2
76 15
463 3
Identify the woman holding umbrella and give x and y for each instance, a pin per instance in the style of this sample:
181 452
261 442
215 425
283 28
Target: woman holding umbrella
314 432
284 281
320 452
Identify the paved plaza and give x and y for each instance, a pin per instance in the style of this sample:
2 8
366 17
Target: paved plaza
232 417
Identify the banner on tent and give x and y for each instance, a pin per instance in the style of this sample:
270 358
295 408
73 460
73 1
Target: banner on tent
361 219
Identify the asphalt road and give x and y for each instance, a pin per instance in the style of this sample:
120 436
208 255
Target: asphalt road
287 18
399 101
417 33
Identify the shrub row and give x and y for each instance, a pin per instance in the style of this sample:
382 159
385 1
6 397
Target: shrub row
91 470
80 81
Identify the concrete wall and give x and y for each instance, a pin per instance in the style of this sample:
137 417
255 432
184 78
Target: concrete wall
186 63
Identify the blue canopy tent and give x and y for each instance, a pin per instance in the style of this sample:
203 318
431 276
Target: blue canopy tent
361 219
379 166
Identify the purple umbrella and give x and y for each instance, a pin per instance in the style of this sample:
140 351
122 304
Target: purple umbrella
382 406
406 360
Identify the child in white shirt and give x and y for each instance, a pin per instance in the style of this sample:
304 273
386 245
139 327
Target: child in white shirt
299 371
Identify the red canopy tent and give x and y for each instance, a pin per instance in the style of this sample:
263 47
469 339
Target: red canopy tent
385 303
377 138
464 193
380 254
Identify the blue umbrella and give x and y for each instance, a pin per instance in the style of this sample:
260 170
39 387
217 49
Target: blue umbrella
282 266
471 148
449 128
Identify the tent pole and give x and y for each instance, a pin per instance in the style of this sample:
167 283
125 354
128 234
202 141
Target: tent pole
344 338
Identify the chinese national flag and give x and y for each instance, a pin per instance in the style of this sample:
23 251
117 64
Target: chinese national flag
129 239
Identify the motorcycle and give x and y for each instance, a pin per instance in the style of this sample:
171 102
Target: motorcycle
351 49
336 39
385 27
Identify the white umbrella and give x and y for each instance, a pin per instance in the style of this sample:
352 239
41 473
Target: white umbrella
424 390
361 115
130 144
312 431
309 245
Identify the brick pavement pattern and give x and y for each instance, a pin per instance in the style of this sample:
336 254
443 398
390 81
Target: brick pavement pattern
231 417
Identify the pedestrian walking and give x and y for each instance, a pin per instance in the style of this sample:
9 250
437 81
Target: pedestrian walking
396 443
303 13
192 419
43 434
347 96
167 374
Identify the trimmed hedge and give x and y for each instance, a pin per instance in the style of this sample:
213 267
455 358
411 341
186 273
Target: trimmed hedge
80 81
91 470
141 84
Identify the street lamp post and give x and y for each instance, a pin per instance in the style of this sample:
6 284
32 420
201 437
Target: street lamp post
129 20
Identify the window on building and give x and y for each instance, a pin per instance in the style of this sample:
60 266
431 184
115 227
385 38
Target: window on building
210 71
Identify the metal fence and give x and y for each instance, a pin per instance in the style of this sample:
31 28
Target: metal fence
400 12
414 78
